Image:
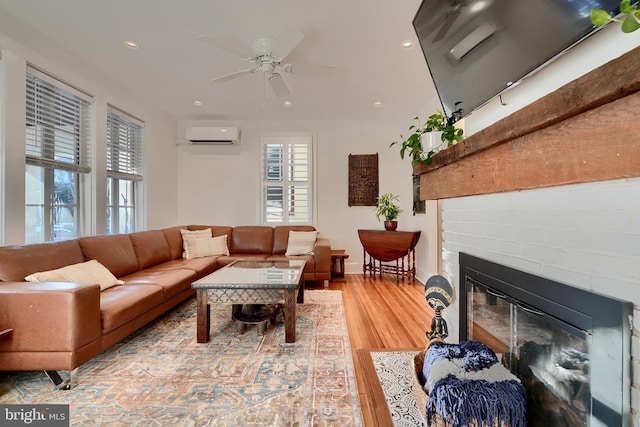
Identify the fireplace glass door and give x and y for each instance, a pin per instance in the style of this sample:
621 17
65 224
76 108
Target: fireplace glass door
551 357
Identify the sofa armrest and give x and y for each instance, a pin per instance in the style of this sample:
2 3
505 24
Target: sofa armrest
49 316
322 256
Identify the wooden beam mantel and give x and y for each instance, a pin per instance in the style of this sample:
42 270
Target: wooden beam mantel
586 131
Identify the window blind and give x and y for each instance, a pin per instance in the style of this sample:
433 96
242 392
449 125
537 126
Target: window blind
58 126
124 145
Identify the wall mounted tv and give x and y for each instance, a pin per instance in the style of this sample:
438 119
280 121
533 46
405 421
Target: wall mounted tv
475 49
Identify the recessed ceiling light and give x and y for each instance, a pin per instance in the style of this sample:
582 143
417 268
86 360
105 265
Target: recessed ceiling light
406 45
197 103
287 103
377 104
131 45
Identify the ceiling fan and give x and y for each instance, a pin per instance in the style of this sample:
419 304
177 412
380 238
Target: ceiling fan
268 54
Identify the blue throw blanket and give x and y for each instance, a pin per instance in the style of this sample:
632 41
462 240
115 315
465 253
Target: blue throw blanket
466 384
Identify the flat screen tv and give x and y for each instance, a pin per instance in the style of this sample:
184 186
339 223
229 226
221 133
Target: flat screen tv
475 49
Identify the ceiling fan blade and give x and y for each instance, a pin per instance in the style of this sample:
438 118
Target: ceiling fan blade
288 39
312 70
234 75
230 45
278 85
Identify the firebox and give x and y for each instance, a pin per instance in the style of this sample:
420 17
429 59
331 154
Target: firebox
570 347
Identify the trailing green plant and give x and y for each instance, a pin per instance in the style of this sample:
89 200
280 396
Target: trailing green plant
437 122
387 207
630 23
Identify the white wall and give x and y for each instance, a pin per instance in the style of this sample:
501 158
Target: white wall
160 172
220 184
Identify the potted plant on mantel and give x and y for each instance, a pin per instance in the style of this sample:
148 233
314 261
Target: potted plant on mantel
388 209
425 141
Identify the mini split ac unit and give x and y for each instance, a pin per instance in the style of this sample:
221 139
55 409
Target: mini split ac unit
213 135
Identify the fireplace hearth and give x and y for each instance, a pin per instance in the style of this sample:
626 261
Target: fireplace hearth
570 347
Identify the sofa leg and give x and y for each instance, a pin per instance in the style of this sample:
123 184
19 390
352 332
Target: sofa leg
59 382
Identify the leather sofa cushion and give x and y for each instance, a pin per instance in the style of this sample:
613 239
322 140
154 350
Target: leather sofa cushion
281 236
21 260
251 239
174 239
216 230
120 304
114 252
151 248
201 266
172 281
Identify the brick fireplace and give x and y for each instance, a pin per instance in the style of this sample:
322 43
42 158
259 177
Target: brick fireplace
553 191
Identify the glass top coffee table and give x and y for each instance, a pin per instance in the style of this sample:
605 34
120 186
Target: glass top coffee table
252 282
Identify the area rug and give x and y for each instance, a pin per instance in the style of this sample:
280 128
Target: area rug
395 374
161 376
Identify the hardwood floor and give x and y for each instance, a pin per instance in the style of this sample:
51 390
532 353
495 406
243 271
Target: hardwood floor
382 314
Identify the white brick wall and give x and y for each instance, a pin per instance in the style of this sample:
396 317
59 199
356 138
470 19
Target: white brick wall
584 235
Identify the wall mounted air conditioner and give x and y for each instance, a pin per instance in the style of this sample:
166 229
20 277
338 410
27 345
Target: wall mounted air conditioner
221 135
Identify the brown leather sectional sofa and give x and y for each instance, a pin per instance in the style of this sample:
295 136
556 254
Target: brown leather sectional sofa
59 326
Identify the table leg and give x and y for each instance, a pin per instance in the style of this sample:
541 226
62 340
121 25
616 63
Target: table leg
290 315
364 262
301 291
203 316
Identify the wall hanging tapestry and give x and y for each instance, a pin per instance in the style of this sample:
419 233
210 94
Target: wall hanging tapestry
363 179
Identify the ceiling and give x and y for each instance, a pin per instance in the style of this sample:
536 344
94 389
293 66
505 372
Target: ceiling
173 68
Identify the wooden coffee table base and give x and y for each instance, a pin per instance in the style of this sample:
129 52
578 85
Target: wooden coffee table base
203 313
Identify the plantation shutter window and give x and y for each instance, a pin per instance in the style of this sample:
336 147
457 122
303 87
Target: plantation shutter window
286 178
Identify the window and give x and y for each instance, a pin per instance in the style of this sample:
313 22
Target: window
57 157
286 180
124 170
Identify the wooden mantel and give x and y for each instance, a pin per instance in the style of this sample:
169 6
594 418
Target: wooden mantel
586 131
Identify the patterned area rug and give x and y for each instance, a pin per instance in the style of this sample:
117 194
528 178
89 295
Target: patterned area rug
161 376
395 373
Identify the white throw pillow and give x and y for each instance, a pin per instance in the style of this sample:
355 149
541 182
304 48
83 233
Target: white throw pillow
84 272
205 233
301 242
197 248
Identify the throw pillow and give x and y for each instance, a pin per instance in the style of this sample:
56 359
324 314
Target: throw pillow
84 272
205 233
197 248
301 242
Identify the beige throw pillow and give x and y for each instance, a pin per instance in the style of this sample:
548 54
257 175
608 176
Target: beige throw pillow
301 242
191 235
84 272
197 248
